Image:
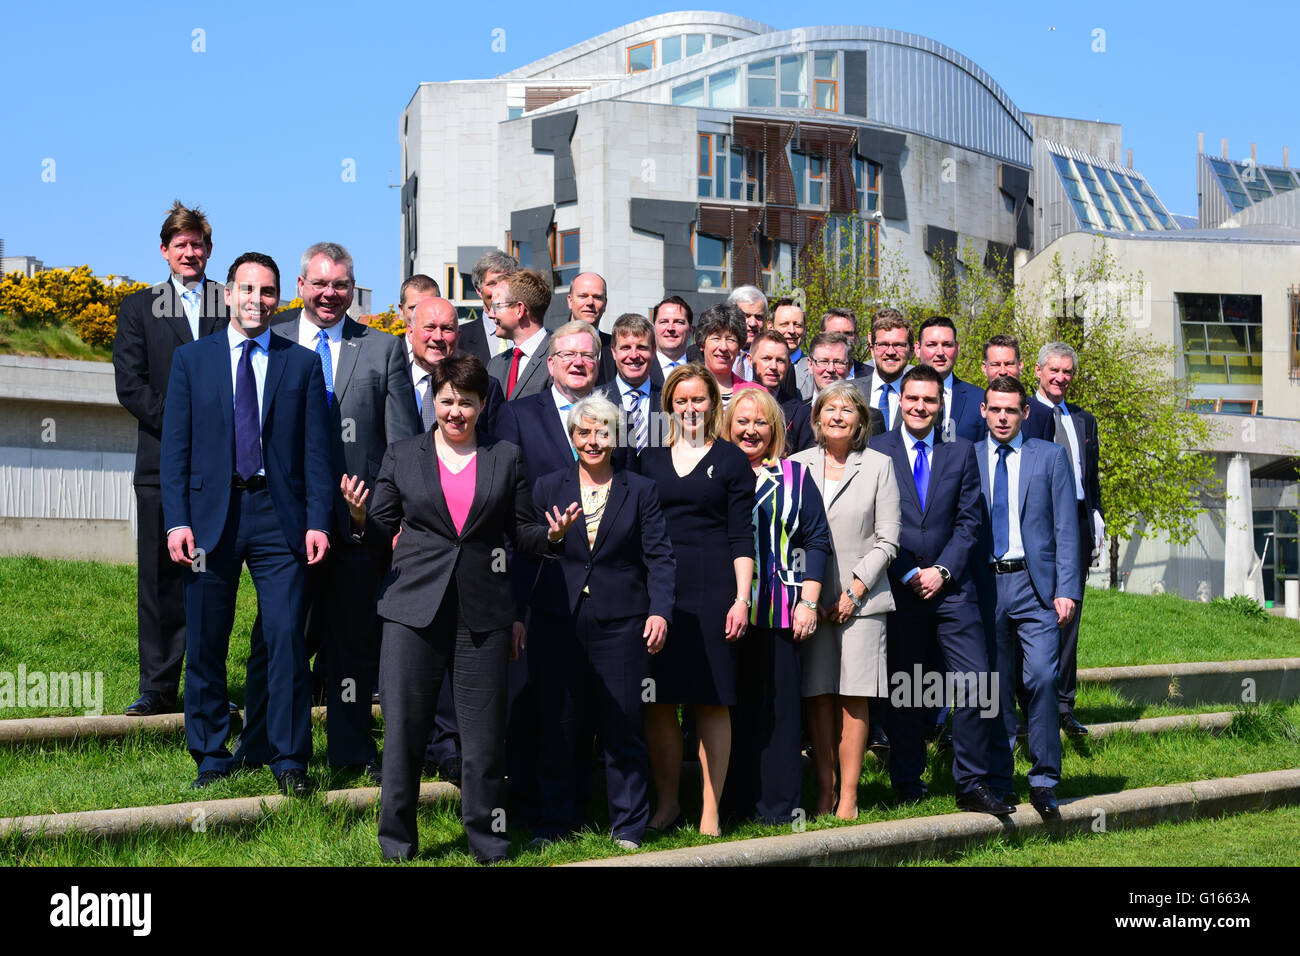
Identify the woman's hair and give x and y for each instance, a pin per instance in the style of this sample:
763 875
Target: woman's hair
463 372
724 319
849 391
598 408
768 408
683 373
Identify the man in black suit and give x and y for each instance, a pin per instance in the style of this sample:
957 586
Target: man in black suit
936 601
479 336
518 306
891 349
371 405
414 290
829 361
1001 357
587 300
845 321
673 321
634 389
936 346
246 479
432 335
1074 428
151 325
788 320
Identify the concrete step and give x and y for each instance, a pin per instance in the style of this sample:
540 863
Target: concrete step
1209 682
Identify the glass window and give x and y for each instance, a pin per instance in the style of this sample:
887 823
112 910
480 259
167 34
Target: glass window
799 166
827 95
826 65
1281 179
710 262
670 50
706 155
1222 338
514 112
794 82
762 83
724 88
565 256
1242 308
1116 200
1256 183
816 181
866 176
641 57
694 43
719 39
1286 524
1193 337
689 94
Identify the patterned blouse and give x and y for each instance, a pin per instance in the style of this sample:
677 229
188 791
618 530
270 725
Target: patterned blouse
792 541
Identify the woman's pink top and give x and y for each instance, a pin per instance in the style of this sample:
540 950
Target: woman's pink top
458 489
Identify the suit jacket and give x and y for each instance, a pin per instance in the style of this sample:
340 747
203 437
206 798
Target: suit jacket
474 340
798 425
198 447
1049 518
1040 423
803 380
408 495
630 570
863 518
653 408
374 403
533 424
967 422
947 530
151 326
488 414
533 379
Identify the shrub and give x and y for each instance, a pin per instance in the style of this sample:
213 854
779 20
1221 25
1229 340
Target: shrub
1243 605
96 324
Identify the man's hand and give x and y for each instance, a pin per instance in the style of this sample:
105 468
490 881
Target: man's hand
355 494
317 546
656 629
180 545
1064 611
518 639
927 582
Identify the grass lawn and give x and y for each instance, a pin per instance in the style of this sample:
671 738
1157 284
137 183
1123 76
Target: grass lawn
1271 838
88 774
53 341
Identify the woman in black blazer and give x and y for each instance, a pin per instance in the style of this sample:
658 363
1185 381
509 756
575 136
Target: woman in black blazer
453 501
601 607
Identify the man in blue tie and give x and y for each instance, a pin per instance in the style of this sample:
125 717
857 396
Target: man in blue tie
634 389
891 348
937 613
246 479
1031 549
673 321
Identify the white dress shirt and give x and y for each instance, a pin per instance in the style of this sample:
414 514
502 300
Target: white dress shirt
562 407
909 444
529 347
877 383
308 333
1076 459
259 360
667 364
192 312
1015 545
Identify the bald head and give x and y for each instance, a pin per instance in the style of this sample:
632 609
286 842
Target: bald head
587 298
433 332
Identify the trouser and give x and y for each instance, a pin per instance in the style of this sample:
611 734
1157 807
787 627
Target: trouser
252 535
160 599
412 666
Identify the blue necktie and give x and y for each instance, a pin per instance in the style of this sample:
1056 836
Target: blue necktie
637 421
326 364
921 473
248 425
1001 509
884 403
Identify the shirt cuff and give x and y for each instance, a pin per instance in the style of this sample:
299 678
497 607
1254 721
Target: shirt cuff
179 527
911 574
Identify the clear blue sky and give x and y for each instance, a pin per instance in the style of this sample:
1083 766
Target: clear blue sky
256 128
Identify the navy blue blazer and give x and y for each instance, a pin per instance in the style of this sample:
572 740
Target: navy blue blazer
198 440
946 531
533 424
1049 518
630 571
1040 423
967 422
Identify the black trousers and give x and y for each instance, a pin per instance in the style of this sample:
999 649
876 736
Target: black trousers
589 682
160 599
765 775
412 666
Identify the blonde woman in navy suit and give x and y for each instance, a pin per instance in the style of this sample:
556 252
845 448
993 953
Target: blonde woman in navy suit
844 662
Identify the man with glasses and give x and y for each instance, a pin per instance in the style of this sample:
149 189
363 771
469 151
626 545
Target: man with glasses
479 336
891 348
371 405
518 305
829 361
845 321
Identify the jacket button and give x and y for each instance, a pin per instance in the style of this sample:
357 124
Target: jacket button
587 566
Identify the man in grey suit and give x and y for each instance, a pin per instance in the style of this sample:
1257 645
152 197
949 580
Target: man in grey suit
519 305
371 406
1031 548
478 336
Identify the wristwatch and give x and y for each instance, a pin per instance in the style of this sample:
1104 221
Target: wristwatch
943 573
857 602
810 605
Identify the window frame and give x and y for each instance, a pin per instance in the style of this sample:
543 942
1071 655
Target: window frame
638 46
558 267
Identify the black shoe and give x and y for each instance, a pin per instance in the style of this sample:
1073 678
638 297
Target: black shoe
941 737
208 777
1022 731
235 713
1009 797
878 743
1044 801
371 769
151 702
450 770
903 797
1072 727
980 799
294 783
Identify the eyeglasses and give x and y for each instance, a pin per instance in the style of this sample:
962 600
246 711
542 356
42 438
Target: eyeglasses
890 347
830 363
568 355
341 286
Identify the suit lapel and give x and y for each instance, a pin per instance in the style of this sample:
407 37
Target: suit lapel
551 423
173 311
982 459
275 361
1028 456
225 383
485 470
617 495
433 481
349 350
212 309
898 452
851 467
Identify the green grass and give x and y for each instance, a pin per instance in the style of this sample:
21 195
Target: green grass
102 774
1271 838
1124 629
51 341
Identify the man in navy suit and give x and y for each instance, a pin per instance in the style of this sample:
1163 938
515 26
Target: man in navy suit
935 599
479 336
936 346
246 479
673 322
1031 547
587 300
1075 429
830 359
151 326
634 389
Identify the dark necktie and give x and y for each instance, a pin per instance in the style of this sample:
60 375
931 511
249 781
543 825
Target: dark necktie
1062 438
248 423
921 473
514 372
884 403
427 413
1001 507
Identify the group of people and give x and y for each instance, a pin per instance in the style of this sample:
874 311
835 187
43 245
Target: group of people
538 541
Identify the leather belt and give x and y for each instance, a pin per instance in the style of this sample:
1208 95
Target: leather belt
1007 567
255 483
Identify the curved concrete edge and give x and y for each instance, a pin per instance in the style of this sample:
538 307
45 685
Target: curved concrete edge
37 729
1159 725
1101 675
196 815
924 837
1205 682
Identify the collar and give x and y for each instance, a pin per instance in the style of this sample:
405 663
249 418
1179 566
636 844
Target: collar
179 286
624 387
529 345
928 440
1065 407
1015 443
561 403
334 333
235 339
